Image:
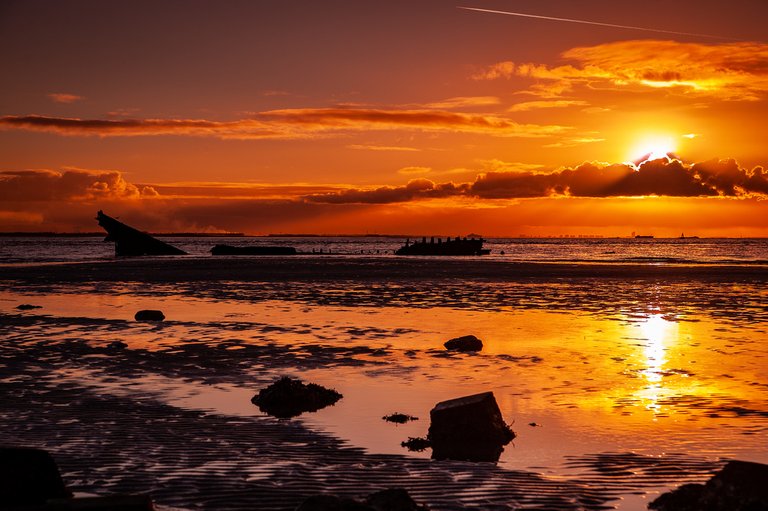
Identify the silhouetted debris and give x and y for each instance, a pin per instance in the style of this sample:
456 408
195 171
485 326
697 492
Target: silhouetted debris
289 397
449 247
116 346
468 428
394 499
149 315
416 444
230 250
739 486
29 477
399 418
28 307
132 242
464 343
534 424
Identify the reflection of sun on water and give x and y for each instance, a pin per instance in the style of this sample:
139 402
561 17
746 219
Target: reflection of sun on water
659 334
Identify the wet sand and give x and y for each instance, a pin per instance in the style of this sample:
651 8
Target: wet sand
638 378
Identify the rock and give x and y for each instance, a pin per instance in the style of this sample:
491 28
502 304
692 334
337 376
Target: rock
149 315
116 346
739 486
29 477
416 444
394 499
399 418
28 307
468 428
331 503
289 397
465 343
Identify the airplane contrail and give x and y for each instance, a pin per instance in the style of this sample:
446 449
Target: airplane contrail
585 22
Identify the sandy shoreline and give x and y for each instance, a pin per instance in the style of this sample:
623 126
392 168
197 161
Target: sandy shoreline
333 268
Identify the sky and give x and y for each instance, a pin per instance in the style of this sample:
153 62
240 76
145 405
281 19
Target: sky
396 117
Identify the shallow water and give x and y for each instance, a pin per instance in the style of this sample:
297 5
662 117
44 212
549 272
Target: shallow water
633 386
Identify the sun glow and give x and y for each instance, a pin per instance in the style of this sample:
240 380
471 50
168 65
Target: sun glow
653 148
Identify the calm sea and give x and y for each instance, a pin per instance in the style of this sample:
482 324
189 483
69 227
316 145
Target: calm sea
21 250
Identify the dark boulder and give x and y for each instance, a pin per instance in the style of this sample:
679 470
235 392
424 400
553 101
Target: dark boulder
116 346
29 477
464 343
289 397
149 315
468 428
739 486
393 499
27 307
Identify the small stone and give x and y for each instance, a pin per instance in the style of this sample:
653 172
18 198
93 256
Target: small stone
399 418
416 444
465 343
149 315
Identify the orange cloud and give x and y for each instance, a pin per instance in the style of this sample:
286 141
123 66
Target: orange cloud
289 124
62 97
535 105
425 120
70 185
732 71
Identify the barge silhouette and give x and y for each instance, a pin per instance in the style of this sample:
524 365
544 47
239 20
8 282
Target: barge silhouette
450 247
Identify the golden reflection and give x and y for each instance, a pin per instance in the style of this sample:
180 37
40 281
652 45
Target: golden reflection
659 335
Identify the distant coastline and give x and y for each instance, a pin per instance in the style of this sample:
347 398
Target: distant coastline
102 234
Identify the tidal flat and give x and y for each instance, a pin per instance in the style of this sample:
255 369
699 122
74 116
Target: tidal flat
620 381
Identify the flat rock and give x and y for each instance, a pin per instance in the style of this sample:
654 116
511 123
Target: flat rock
468 428
289 397
739 486
29 477
464 343
149 315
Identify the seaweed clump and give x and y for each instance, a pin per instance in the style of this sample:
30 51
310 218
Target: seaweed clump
290 397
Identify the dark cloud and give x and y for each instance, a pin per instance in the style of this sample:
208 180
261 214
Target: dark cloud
662 177
415 189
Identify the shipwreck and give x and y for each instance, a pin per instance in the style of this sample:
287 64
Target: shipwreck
450 247
132 242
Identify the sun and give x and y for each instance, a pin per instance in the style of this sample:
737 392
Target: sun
653 147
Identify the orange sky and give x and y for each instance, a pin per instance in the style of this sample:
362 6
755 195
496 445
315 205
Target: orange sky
390 117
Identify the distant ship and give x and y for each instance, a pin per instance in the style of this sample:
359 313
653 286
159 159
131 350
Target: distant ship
684 237
644 236
450 247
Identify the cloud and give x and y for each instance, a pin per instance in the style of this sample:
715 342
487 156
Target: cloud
414 170
141 127
464 102
729 71
416 189
289 124
534 105
424 120
662 177
575 141
69 185
62 97
382 148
